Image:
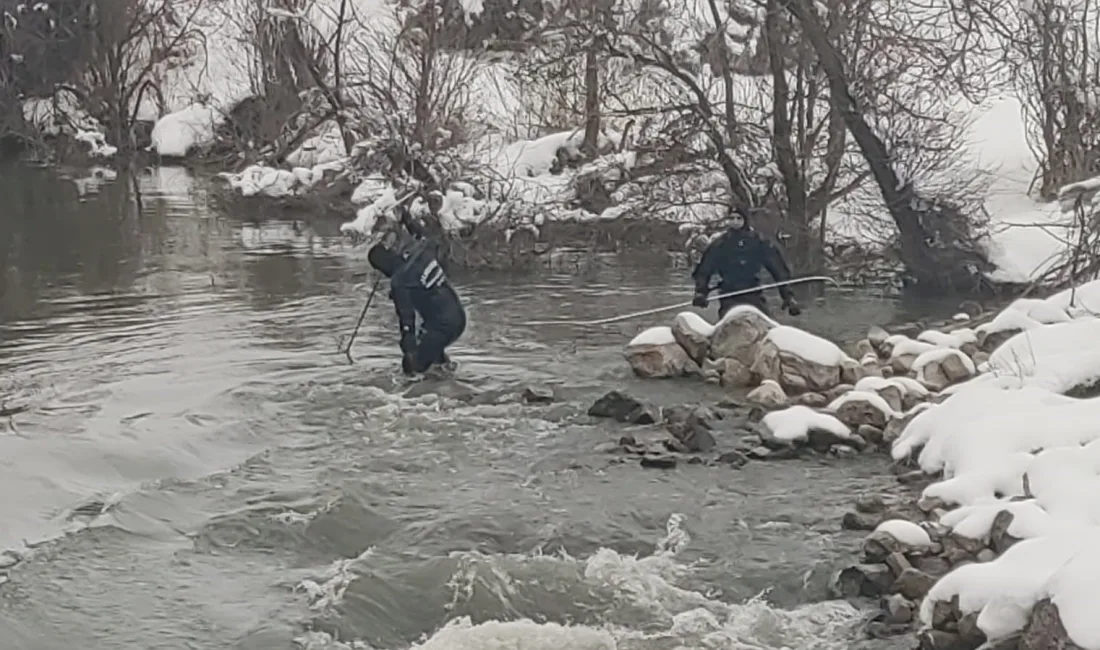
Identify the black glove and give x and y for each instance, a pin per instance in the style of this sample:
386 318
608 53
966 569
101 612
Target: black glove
700 300
791 305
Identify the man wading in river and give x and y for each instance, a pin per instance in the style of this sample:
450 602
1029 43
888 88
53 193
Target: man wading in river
419 286
737 256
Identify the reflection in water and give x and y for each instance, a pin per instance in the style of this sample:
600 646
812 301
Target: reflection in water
243 483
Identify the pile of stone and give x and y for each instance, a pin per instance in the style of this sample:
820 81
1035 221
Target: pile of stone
903 557
785 366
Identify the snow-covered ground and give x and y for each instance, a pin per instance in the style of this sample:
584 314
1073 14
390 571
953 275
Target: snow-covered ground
1011 440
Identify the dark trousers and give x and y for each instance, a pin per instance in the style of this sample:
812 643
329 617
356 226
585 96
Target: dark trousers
434 339
755 299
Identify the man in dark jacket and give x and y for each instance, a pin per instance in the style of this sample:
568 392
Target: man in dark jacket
737 256
418 285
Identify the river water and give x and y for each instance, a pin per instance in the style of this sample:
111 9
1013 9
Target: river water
200 467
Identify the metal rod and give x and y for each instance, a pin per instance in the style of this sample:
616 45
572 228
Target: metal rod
658 310
362 315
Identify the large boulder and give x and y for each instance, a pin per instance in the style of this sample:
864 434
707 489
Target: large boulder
738 334
693 334
939 368
799 361
734 373
655 354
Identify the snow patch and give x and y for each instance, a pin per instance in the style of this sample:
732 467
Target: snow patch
872 398
653 336
1056 357
696 323
804 345
794 424
178 133
905 532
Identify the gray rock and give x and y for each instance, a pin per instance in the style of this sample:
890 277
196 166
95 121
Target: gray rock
946 614
8 559
693 435
856 411
872 503
624 408
538 395
970 634
885 630
898 564
877 336
769 395
822 440
735 459
932 565
686 329
1045 630
841 389
941 640
861 520
870 433
913 584
986 555
989 342
735 374
861 581
658 462
738 335
999 539
894 428
878 546
914 477
813 400
898 609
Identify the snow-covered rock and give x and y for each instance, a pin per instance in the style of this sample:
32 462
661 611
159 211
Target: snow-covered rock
768 394
693 334
1020 465
903 351
799 425
857 407
738 334
654 353
799 361
941 367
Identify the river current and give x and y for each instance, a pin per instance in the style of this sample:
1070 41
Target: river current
199 467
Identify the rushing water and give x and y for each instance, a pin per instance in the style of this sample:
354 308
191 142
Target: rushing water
200 467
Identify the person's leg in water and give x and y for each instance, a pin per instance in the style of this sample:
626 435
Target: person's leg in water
432 349
752 299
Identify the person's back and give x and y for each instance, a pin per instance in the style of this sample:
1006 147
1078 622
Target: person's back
418 285
422 280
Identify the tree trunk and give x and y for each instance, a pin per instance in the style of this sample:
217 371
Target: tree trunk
900 198
794 182
592 100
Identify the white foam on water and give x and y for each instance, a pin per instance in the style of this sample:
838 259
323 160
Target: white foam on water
645 584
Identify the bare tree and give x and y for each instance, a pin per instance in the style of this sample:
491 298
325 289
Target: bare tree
934 241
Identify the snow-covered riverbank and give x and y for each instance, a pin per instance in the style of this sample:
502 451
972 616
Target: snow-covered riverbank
998 419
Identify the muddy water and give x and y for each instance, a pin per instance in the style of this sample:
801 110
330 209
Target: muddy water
200 467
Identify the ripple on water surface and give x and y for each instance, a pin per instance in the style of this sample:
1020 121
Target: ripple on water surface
220 477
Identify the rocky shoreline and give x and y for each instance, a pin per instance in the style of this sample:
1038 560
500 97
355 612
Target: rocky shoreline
808 397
